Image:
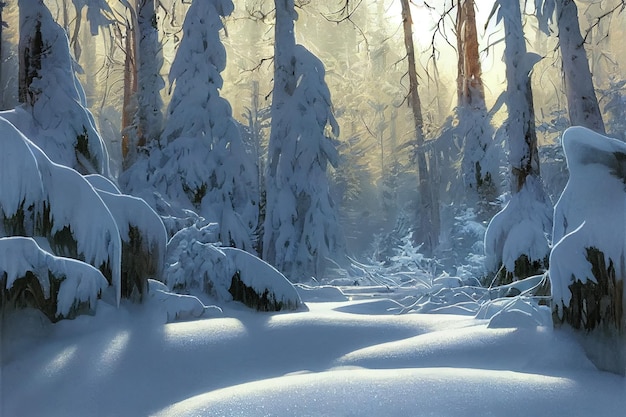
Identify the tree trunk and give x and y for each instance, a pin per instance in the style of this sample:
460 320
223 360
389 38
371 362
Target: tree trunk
130 89
582 103
149 118
470 89
524 154
284 87
427 232
30 49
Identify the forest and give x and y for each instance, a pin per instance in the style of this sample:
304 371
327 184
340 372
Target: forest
344 172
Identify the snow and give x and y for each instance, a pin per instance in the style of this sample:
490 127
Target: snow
45 183
330 360
80 282
57 116
520 228
196 261
177 307
584 215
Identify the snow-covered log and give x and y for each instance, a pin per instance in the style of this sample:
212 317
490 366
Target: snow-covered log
588 261
59 287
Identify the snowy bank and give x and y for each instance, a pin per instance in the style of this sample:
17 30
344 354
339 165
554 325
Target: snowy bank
587 264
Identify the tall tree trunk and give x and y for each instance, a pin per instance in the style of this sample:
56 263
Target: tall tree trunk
516 246
470 88
29 49
149 116
427 232
524 154
284 87
582 103
473 126
130 90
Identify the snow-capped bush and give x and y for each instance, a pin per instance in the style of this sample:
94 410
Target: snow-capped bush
144 240
118 234
515 238
587 264
41 198
195 262
59 287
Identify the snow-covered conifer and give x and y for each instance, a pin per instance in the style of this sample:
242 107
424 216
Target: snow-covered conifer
203 164
54 113
516 236
301 229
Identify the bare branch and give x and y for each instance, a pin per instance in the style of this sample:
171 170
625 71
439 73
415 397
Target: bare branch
619 8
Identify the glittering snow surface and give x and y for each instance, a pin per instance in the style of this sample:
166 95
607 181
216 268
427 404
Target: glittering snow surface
352 353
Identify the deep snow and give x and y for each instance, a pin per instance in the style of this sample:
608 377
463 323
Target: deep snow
352 354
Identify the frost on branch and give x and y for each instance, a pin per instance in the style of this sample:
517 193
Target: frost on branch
587 264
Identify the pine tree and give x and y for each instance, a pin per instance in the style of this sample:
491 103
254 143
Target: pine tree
301 229
201 163
516 236
53 101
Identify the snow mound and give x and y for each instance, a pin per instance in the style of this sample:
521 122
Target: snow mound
176 307
400 392
320 293
276 291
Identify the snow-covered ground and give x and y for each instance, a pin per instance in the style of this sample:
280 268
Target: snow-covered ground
350 354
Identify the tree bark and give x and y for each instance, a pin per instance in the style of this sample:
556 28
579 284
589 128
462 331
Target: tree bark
30 48
130 90
470 88
427 232
582 103
524 154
